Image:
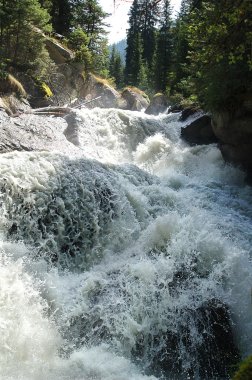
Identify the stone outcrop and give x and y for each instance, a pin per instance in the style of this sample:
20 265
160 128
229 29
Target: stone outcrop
234 130
158 104
58 53
199 131
13 105
135 99
29 132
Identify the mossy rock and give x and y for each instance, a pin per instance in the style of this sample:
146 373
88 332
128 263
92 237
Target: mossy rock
245 370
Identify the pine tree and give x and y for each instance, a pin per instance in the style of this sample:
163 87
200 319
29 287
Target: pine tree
116 67
181 47
20 44
149 11
89 15
61 14
134 45
163 58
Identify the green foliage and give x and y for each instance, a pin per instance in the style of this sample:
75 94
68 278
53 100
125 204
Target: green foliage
116 69
20 43
78 41
163 56
220 39
141 41
245 370
61 14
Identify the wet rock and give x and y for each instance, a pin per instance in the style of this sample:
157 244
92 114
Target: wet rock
189 111
135 99
72 130
34 133
158 104
176 108
71 218
199 131
203 337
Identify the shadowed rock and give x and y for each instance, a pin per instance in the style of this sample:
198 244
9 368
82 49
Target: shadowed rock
199 131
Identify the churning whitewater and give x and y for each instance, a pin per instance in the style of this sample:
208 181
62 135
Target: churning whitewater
130 261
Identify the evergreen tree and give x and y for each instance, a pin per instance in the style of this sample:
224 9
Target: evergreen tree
149 14
220 41
89 16
116 67
134 45
78 41
163 58
112 62
180 48
19 43
61 14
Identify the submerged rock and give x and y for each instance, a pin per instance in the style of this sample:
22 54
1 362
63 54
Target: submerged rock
205 336
199 131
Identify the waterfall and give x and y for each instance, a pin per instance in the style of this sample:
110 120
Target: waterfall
129 261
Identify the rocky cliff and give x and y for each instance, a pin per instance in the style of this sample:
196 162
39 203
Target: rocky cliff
234 130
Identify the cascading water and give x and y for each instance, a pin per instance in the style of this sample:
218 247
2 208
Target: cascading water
132 261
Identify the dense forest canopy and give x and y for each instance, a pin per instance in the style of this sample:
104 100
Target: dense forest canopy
204 55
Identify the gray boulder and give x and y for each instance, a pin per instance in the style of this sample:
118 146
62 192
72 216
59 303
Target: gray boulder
95 87
159 104
135 99
29 132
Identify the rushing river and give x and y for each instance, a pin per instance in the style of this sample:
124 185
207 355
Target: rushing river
130 262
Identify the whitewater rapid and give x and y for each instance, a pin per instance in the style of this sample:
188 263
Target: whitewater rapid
112 263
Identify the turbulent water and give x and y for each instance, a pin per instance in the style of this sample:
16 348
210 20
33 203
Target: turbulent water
131 262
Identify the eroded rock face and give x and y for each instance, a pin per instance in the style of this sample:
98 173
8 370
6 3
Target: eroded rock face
199 131
135 99
158 104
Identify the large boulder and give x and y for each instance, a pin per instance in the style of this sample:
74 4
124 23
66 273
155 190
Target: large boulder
158 104
29 132
234 130
199 131
135 99
98 88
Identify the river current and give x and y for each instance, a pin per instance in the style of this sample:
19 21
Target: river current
118 264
